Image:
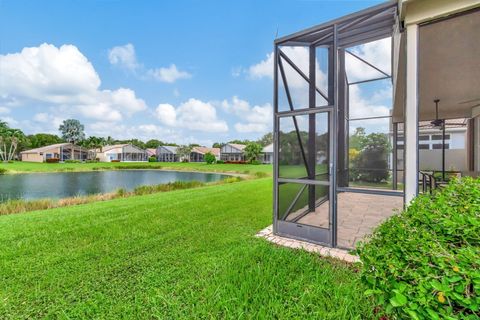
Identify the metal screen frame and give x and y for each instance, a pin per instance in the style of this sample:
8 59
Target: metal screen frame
364 26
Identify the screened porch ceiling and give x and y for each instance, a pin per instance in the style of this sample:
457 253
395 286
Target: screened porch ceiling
448 68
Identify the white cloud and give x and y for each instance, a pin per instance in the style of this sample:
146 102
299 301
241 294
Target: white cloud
4 110
296 83
123 56
65 78
262 69
377 53
256 119
251 127
166 113
237 72
169 75
41 117
10 121
193 114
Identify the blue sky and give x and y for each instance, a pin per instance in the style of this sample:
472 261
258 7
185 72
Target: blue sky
181 71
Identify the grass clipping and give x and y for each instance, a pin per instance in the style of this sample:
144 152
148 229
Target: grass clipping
20 206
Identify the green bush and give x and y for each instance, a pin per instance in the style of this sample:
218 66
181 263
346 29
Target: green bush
210 158
220 162
260 174
255 162
152 159
177 185
72 161
425 262
3 170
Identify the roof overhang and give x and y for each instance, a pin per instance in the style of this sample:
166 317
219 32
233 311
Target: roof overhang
448 68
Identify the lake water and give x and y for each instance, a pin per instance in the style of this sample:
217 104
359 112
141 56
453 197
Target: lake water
69 184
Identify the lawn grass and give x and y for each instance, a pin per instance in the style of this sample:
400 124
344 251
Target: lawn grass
181 254
25 167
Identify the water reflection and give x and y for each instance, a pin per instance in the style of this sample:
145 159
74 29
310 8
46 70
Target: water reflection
69 184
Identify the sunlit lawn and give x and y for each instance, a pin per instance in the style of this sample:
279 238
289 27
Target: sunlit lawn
181 254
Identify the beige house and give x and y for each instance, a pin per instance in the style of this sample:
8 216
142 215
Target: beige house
198 153
267 154
60 151
232 152
122 152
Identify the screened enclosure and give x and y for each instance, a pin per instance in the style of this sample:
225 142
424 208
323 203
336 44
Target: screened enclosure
338 170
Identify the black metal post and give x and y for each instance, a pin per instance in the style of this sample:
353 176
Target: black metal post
395 157
342 143
443 150
312 135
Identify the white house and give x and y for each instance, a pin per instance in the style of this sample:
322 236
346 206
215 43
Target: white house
122 153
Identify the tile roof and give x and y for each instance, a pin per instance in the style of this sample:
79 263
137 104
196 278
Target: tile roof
268 149
203 150
238 146
46 148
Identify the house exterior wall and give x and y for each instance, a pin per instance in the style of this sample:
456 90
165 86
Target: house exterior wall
165 155
32 157
229 153
267 157
431 160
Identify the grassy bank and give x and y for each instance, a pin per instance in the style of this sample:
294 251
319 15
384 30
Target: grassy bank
180 254
26 167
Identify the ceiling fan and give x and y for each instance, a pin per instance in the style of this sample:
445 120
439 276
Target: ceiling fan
437 123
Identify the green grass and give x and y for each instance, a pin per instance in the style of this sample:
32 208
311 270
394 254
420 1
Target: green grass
24 167
181 254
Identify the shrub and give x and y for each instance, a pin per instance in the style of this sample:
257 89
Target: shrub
92 161
3 170
177 185
255 162
52 160
72 161
152 159
230 180
236 162
261 174
424 263
220 162
209 158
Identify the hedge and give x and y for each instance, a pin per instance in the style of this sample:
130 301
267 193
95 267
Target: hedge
425 262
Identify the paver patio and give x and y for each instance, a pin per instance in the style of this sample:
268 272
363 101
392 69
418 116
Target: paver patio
358 215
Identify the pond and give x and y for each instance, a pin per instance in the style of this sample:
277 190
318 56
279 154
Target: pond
68 184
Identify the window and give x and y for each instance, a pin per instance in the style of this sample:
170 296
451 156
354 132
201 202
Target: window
423 146
423 138
439 146
439 137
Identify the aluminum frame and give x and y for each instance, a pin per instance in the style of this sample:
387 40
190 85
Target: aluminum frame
364 26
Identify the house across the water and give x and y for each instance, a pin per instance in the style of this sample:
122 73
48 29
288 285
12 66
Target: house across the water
151 152
122 153
232 152
198 153
267 154
55 152
167 154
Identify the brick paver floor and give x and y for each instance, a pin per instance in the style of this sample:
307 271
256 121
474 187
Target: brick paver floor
357 213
